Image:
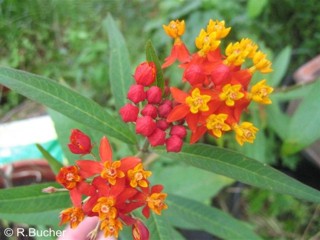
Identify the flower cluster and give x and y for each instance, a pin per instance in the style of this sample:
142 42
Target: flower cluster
108 189
219 83
149 109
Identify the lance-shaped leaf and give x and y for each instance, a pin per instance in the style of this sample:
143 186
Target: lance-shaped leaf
65 101
237 166
55 165
184 212
119 63
151 56
31 199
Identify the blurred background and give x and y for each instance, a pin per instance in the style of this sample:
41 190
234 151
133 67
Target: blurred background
66 41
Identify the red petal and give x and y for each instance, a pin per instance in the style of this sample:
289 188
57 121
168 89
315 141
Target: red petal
89 168
183 54
86 189
195 136
129 163
156 188
178 95
75 196
118 187
171 58
178 112
146 211
105 150
87 207
102 186
192 121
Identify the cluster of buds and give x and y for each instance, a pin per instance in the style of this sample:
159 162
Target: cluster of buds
219 83
149 109
110 190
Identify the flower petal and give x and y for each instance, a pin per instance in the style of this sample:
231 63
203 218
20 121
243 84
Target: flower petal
105 150
89 168
178 112
178 95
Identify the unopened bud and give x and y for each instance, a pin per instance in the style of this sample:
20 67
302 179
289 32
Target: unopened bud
145 126
154 95
145 73
179 131
129 113
158 137
163 124
136 93
149 110
165 108
174 144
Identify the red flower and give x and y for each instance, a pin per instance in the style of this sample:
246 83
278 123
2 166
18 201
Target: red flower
155 200
129 113
106 168
80 143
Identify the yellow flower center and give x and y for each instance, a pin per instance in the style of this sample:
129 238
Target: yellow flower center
246 132
230 94
174 29
260 92
217 124
198 102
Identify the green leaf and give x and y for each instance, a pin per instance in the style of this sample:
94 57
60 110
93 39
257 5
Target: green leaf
186 212
237 166
55 165
207 184
119 63
298 91
255 7
304 125
151 56
38 218
31 199
159 227
66 101
280 66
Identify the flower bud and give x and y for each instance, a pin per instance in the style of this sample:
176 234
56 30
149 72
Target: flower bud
129 113
174 144
145 126
154 95
149 110
145 73
194 74
165 108
136 93
163 124
139 231
80 143
179 131
158 137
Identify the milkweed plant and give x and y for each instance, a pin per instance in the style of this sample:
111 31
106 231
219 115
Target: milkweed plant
159 119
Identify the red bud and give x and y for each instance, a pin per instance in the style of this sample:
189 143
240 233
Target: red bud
154 95
149 110
174 144
80 143
157 138
179 131
129 113
145 126
136 93
145 73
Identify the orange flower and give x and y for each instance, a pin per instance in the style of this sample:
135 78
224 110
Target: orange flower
138 176
74 215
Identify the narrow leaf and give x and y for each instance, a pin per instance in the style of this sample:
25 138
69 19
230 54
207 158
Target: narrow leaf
151 56
255 7
280 66
38 218
159 228
304 124
54 163
237 166
31 199
65 101
119 63
202 217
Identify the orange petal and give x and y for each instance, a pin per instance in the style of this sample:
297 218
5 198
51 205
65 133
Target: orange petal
105 150
178 95
195 136
178 112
